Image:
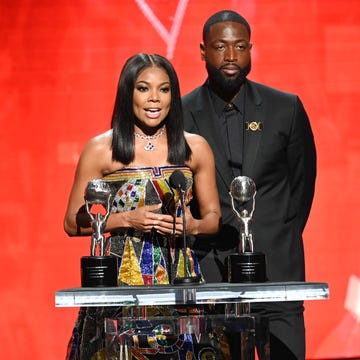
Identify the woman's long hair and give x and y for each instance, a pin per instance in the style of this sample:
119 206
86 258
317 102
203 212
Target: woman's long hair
123 118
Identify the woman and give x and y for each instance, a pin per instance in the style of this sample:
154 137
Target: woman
145 145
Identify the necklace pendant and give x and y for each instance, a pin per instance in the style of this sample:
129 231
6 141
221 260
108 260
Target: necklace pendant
149 146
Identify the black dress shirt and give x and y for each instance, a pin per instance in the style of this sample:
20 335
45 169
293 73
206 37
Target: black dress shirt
231 121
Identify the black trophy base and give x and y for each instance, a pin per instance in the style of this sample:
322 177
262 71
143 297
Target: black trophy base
190 280
247 267
99 271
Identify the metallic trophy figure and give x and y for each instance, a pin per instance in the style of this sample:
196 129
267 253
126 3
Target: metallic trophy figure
98 192
98 270
243 189
246 265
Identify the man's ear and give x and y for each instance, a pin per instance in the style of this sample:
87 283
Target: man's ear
202 51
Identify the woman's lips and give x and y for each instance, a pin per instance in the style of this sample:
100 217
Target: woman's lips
153 113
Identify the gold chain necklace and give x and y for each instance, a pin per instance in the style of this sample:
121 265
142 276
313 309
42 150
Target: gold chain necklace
149 145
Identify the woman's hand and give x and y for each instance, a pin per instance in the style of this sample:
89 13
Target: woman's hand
147 219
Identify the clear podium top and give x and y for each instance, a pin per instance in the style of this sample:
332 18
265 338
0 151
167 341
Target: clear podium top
191 294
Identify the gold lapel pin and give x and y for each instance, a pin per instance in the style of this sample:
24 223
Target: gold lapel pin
253 126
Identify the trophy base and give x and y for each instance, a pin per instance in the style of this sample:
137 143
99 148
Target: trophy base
187 280
99 271
247 267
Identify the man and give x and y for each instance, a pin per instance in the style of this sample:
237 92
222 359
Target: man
265 134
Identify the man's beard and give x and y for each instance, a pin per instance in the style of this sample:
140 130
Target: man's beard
224 87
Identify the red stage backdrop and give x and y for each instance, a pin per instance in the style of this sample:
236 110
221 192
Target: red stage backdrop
59 67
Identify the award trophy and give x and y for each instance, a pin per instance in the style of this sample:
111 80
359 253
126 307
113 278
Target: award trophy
98 270
246 265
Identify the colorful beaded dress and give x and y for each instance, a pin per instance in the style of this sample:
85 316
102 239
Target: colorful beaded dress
143 259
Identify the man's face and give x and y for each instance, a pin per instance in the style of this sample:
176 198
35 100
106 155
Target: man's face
226 51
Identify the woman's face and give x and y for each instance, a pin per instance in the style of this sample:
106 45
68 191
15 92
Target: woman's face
152 97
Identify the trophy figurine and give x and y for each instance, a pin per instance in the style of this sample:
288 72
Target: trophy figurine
98 269
246 265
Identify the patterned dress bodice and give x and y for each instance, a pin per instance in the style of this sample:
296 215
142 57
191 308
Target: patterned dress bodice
149 258
136 187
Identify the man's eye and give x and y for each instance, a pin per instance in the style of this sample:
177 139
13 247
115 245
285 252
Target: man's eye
243 46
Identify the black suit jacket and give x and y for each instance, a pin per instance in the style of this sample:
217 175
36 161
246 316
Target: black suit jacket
281 158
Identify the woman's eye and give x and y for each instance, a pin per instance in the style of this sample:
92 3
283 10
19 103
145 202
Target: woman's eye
142 88
165 89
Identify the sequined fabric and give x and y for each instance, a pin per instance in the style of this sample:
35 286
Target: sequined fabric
143 259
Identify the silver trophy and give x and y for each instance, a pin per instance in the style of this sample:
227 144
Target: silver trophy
98 269
246 265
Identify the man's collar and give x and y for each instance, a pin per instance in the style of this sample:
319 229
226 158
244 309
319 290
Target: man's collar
221 105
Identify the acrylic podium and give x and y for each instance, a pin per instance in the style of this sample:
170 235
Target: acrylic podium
236 298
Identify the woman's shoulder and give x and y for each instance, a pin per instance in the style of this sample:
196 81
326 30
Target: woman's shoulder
195 141
200 150
97 153
99 143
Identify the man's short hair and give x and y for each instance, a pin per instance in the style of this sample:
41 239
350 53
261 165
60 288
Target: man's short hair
222 16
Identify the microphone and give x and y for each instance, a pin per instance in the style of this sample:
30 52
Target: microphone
178 182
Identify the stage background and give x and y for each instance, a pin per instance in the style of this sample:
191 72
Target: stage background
59 67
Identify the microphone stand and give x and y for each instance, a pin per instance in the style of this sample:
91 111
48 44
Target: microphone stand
186 280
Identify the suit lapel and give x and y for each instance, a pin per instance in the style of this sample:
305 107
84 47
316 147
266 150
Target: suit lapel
254 115
208 127
210 130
